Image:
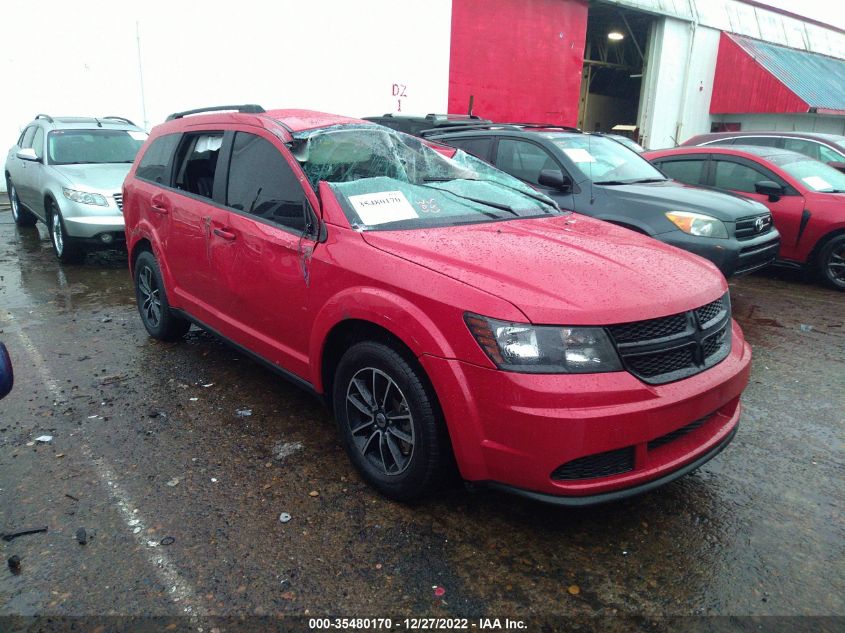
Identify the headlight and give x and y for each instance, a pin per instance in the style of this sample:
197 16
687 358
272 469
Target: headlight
543 349
698 224
84 197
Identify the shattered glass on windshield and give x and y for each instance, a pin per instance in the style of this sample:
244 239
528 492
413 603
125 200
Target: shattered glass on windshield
387 179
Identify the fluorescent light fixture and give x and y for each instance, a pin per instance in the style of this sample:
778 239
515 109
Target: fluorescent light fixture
615 36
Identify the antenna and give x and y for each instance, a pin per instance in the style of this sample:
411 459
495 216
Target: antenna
592 160
471 100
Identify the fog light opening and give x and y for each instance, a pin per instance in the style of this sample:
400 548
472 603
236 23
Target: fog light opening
107 238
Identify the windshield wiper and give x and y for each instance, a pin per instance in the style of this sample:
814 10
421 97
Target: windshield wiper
489 203
637 181
527 194
611 182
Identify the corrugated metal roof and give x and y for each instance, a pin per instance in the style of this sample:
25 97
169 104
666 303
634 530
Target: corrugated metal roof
817 79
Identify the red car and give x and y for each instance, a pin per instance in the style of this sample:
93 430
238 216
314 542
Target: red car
447 312
806 197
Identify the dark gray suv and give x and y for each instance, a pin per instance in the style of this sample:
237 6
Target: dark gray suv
599 177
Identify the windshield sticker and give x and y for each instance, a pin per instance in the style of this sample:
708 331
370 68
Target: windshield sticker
817 182
138 136
428 206
579 155
379 208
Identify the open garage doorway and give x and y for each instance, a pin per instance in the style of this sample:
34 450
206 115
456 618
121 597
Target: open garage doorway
614 63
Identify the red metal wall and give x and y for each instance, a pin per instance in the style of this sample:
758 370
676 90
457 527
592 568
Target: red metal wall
741 85
511 56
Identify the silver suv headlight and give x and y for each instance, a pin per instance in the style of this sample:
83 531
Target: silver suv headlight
698 224
83 197
544 349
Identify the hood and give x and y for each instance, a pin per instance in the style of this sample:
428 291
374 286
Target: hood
107 177
569 270
675 196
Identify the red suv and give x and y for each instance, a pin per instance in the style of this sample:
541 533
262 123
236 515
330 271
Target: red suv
806 197
444 309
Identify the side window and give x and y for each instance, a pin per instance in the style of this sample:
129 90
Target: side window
38 142
688 171
827 155
523 159
154 163
262 183
479 147
737 177
765 141
196 162
28 133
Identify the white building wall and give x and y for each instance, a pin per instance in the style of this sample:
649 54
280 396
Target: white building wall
80 58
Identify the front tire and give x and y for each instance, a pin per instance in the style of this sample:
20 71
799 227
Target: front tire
831 263
389 422
153 306
66 248
22 216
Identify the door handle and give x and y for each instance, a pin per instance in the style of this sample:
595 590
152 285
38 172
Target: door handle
226 235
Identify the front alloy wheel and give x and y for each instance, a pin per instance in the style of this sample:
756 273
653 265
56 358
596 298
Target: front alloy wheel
380 421
832 263
389 421
64 246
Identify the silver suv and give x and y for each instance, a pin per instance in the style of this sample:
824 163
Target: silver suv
68 173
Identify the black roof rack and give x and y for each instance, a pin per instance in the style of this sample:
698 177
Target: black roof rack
119 118
249 108
44 116
461 127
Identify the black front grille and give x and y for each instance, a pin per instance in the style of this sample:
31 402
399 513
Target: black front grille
677 433
650 365
651 329
747 228
600 465
118 199
662 350
711 311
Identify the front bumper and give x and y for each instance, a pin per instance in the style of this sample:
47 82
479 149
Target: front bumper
87 221
522 430
732 257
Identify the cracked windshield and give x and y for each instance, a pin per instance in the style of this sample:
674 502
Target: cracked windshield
389 180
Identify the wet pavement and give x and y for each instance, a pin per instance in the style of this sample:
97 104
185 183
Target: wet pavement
195 444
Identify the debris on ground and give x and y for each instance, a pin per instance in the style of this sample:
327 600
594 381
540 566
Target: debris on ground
574 590
243 413
284 517
803 327
105 320
314 493
15 563
13 535
152 413
71 497
286 449
81 536
168 540
193 399
174 482
44 439
439 591
211 384
214 480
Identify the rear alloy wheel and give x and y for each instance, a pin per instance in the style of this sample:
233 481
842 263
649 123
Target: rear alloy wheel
65 247
158 319
831 263
389 421
22 217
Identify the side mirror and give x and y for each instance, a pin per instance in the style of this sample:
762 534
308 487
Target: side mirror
769 188
7 378
555 179
28 154
840 165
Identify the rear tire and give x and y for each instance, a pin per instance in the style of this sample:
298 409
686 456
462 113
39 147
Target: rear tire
22 216
66 248
153 306
389 422
831 263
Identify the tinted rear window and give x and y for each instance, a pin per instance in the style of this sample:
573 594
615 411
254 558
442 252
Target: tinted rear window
156 160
